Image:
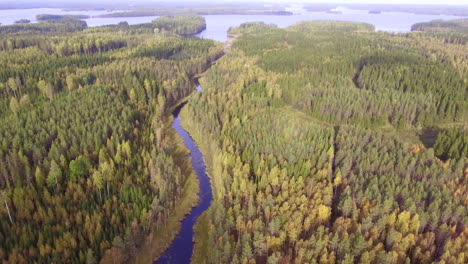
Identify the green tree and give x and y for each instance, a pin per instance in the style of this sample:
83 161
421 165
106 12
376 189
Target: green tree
4 198
55 175
98 182
90 259
260 246
79 167
14 84
25 101
40 176
14 105
72 83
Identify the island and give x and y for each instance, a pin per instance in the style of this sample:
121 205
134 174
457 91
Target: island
22 21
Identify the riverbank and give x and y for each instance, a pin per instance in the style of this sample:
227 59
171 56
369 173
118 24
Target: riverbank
201 228
158 241
181 248
161 238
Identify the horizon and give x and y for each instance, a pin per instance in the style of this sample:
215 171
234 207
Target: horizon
215 2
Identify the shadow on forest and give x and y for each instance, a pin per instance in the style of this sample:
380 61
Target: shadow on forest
177 110
428 136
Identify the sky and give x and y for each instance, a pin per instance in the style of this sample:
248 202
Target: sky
440 2
427 2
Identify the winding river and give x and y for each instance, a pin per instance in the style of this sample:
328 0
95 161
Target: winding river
181 249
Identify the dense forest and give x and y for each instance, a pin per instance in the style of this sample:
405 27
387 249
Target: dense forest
186 25
327 142
151 11
198 8
54 26
42 17
442 26
89 164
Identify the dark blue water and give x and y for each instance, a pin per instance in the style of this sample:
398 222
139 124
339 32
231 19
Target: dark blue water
181 249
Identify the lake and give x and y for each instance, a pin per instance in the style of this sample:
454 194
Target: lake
8 17
217 25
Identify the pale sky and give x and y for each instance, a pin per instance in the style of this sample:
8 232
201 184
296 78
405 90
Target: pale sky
424 2
430 2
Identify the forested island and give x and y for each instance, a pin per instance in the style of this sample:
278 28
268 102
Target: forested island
42 17
325 142
458 25
22 21
422 9
122 8
54 26
141 12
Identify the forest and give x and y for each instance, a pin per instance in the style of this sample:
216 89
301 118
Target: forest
327 142
42 17
419 9
215 10
89 165
458 25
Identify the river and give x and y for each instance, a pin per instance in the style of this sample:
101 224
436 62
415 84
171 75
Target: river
181 248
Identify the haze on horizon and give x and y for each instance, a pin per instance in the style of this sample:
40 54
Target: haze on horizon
389 2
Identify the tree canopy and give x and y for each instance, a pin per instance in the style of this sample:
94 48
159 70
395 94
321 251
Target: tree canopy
309 159
87 156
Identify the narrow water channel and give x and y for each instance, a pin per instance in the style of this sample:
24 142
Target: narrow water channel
181 249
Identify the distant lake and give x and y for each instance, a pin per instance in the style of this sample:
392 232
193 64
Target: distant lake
8 17
217 25
386 21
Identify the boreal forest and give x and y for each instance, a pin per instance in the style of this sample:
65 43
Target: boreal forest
89 164
324 142
327 142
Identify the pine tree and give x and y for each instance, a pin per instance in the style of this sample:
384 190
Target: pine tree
55 175
4 198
